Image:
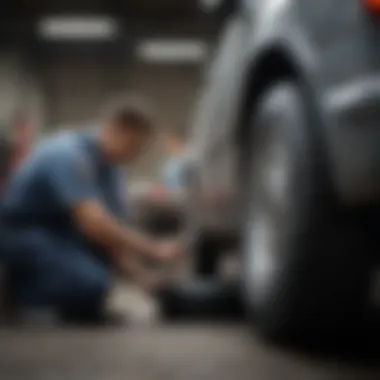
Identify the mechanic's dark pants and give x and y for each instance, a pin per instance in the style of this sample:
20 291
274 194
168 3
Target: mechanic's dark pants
49 271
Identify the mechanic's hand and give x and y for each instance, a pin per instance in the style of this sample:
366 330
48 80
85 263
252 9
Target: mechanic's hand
154 283
168 250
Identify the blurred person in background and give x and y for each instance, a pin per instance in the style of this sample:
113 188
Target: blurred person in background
175 168
173 176
62 216
160 206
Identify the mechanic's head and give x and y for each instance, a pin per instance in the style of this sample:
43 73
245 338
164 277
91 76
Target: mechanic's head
127 129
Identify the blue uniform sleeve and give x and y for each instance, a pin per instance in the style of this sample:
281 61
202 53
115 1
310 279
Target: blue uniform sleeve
72 177
120 194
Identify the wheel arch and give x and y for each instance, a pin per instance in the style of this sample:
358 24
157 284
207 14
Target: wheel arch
271 65
275 63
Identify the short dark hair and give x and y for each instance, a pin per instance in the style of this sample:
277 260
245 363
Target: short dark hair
131 112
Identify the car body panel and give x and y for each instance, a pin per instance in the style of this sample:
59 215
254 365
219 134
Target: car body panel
214 156
333 47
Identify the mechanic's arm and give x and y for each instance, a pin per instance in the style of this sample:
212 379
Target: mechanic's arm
73 179
99 226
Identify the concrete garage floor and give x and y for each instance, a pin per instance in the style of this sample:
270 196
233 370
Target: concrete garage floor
154 351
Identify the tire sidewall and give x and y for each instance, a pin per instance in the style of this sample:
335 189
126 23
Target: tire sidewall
308 198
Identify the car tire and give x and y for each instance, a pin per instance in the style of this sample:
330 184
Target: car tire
306 264
206 251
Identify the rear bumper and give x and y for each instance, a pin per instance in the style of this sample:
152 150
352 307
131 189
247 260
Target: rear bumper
354 139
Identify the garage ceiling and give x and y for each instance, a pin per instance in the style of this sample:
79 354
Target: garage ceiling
140 17
127 8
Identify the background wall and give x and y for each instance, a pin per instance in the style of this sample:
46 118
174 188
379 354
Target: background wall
62 82
76 88
20 91
172 89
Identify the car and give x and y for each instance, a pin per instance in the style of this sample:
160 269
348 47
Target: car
286 161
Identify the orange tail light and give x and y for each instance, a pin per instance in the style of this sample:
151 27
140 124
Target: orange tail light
372 5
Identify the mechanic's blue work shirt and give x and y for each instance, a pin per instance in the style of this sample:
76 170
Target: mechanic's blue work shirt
62 171
174 173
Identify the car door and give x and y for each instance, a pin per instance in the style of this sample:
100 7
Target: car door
213 141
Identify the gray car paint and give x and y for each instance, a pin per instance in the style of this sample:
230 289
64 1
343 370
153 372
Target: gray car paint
333 45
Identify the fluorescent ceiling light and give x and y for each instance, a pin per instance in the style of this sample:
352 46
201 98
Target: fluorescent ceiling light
77 28
171 51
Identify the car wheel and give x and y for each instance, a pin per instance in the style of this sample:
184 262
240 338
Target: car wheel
306 272
207 252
